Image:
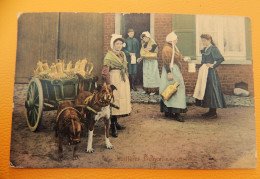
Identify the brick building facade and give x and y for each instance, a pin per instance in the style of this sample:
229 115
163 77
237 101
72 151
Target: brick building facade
229 74
77 31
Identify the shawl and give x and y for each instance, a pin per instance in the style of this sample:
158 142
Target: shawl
167 55
112 61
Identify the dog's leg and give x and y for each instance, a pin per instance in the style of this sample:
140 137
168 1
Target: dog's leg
75 152
90 137
60 150
90 140
107 141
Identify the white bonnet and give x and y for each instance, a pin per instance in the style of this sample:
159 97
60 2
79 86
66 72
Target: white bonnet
171 37
115 37
146 33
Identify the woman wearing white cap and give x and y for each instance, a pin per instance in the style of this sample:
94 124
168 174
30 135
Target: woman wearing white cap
171 72
115 72
151 77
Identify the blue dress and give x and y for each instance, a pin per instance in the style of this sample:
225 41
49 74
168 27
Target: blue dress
151 77
213 97
132 46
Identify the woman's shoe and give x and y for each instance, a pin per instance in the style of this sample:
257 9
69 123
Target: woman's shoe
113 130
206 114
179 118
212 116
167 114
134 88
119 127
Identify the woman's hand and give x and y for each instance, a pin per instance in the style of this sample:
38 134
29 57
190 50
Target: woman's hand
169 77
209 65
139 60
147 49
187 59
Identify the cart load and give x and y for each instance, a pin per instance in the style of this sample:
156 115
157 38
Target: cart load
53 84
60 70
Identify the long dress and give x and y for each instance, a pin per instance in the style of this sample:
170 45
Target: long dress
213 97
114 72
132 46
151 77
177 103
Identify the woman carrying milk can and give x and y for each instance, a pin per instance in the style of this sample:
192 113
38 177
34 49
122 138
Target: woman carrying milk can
171 73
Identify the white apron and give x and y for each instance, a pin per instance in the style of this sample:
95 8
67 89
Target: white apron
122 94
201 82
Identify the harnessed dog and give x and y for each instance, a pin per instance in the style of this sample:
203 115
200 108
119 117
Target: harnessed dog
99 101
68 125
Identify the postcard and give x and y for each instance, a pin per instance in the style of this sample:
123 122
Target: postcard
133 90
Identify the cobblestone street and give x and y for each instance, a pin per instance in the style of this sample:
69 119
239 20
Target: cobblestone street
231 100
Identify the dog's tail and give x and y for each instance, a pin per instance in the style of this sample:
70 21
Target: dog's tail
81 82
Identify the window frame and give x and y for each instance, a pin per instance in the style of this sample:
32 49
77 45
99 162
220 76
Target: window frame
230 57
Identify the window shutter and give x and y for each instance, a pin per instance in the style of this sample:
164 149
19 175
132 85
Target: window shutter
248 32
185 28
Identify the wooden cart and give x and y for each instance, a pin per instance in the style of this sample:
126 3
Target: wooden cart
45 95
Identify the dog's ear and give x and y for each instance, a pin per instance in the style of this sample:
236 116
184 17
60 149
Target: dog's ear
113 87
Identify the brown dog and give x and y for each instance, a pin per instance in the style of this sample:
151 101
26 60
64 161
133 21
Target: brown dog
99 100
68 125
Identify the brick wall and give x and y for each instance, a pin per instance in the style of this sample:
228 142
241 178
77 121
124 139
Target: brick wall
109 29
231 74
162 27
228 74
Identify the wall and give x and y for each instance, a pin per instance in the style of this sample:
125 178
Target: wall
109 29
163 24
52 36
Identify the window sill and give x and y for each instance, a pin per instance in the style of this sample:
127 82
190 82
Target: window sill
228 62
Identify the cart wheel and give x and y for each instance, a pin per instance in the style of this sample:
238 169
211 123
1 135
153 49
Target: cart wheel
34 104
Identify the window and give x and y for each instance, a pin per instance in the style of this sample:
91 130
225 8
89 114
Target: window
228 33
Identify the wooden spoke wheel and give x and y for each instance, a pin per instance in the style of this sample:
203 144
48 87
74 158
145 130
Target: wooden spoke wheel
34 104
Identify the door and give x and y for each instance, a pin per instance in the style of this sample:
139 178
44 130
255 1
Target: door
140 23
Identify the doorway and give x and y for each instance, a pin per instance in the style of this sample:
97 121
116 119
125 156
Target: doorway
140 22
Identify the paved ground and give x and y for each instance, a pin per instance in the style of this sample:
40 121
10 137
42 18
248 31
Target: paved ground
231 100
149 141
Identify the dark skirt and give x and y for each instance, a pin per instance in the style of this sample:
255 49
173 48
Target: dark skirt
164 108
213 97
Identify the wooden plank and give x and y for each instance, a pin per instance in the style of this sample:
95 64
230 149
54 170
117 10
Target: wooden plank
36 40
81 36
